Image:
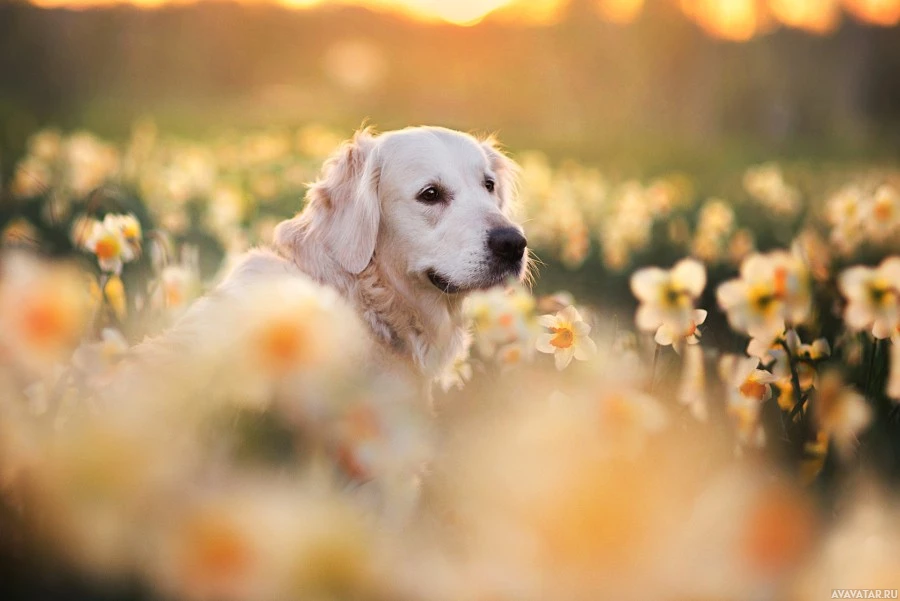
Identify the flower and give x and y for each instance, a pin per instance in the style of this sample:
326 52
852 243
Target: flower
108 242
568 336
130 228
872 297
179 285
748 388
766 184
666 336
667 300
291 340
884 212
500 318
44 310
840 412
845 211
772 289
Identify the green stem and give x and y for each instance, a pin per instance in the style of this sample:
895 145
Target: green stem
795 379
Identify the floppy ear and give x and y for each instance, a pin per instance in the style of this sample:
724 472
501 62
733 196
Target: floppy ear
342 205
507 173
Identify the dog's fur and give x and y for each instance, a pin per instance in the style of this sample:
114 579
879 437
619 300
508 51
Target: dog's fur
364 232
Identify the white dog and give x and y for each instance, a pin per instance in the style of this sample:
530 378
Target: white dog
403 225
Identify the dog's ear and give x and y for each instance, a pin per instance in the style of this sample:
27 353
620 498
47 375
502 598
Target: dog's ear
342 205
507 172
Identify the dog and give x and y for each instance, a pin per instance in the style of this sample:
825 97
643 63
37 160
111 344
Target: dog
403 225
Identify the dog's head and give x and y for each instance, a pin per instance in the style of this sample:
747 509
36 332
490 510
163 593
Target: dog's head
430 202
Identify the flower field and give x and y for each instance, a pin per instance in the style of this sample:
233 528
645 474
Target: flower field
694 395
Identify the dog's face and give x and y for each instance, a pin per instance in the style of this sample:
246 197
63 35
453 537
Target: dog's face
443 197
430 202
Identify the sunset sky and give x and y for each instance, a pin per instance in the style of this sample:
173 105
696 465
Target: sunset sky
730 19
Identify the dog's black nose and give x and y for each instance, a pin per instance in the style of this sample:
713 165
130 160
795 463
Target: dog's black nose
507 243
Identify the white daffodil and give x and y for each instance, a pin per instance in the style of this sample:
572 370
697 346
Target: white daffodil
44 310
883 213
501 317
568 337
873 297
841 412
666 336
748 388
772 289
667 300
108 243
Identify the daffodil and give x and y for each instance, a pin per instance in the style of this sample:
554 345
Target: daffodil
883 215
130 228
873 297
667 300
772 289
845 212
109 244
766 184
501 318
44 310
841 413
748 388
568 336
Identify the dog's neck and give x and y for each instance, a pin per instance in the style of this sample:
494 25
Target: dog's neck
424 328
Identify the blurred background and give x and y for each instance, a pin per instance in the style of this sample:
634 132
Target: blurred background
636 84
647 131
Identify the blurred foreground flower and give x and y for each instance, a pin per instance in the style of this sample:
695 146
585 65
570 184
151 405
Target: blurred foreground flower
748 387
502 319
568 337
44 310
841 412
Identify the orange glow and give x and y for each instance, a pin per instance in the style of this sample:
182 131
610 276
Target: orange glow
879 12
621 11
818 16
736 20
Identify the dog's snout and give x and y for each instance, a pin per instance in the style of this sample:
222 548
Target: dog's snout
507 243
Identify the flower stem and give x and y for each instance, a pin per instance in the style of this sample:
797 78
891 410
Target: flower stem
653 369
795 379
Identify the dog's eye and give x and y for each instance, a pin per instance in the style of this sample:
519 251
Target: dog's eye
489 184
431 194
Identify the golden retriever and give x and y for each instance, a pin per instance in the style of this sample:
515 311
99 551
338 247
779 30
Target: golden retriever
403 225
